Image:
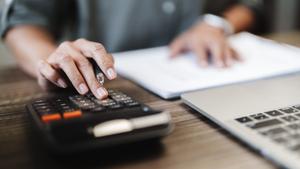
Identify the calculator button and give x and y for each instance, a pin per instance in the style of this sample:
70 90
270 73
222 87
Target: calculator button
132 104
88 108
97 109
46 111
116 106
106 102
73 114
51 117
41 101
38 104
66 108
42 107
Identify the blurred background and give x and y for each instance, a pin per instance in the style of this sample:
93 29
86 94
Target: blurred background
278 16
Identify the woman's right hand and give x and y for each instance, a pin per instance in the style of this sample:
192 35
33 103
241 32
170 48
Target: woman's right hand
72 59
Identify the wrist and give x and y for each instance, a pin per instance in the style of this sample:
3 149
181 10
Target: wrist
218 22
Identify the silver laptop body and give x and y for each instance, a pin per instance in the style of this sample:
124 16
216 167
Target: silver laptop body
265 114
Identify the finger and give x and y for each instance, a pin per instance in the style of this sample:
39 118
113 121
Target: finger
66 63
236 55
49 73
98 53
177 46
44 83
217 52
228 57
87 72
201 54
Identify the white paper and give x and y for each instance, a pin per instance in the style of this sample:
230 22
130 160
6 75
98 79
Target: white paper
153 69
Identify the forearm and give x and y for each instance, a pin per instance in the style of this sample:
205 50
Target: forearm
240 17
29 44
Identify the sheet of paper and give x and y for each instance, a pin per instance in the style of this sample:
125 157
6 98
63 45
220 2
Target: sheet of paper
153 69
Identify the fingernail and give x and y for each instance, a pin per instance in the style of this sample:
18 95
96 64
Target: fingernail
83 88
62 83
111 73
102 92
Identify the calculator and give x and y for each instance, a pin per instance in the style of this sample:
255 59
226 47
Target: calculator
73 122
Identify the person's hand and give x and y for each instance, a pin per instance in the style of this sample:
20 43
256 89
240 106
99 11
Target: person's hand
205 41
72 59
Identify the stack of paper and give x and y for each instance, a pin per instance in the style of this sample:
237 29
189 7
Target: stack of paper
153 69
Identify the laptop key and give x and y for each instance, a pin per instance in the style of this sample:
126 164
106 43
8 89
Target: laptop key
243 119
289 110
295 136
274 131
298 114
290 118
294 126
280 140
273 113
259 116
295 147
266 123
297 107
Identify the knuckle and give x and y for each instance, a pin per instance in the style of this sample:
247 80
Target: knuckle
65 45
81 40
98 47
63 57
84 64
52 58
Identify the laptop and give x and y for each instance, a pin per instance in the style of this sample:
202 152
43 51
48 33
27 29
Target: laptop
265 114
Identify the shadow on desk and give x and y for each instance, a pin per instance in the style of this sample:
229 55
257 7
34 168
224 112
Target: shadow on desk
100 158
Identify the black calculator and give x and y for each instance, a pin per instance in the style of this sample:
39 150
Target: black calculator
73 122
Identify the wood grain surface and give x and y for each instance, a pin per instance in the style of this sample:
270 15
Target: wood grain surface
195 143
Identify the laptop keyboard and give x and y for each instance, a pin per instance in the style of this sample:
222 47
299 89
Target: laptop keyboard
281 126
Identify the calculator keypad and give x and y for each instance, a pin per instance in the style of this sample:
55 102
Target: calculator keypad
76 106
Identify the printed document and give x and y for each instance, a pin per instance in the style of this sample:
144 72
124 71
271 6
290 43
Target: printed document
154 70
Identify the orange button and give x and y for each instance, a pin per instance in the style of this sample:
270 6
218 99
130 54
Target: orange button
72 114
51 117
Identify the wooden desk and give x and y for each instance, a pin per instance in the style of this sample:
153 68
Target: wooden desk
195 143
